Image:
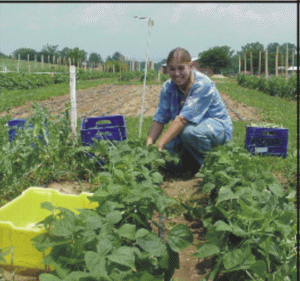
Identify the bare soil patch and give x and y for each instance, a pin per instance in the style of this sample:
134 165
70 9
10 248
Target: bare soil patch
122 99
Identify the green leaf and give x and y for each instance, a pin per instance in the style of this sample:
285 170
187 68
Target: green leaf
81 276
148 277
104 245
152 244
127 231
225 193
206 250
125 256
48 277
94 221
47 205
63 227
141 232
95 263
233 258
208 187
222 226
249 213
180 237
114 217
157 177
276 189
259 268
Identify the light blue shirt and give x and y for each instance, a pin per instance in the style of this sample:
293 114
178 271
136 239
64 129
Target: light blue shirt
203 101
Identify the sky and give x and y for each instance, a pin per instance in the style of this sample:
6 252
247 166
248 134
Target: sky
106 28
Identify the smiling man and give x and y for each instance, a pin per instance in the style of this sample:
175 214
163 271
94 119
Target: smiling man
200 120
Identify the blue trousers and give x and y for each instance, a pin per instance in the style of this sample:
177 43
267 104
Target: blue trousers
196 140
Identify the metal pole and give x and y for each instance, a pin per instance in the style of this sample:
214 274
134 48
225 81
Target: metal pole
145 77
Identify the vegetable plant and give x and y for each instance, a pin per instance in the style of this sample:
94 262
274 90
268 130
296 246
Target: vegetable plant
250 220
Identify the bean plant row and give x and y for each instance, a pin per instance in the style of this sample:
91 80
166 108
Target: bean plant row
251 221
118 240
14 81
274 86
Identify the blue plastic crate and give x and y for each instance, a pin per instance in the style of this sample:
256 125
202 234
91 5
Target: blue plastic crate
111 128
17 124
270 141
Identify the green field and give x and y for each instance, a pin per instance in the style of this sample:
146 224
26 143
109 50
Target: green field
228 166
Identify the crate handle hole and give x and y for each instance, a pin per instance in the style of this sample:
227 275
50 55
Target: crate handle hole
103 134
268 133
101 122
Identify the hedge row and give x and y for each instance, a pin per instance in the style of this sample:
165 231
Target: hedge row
274 86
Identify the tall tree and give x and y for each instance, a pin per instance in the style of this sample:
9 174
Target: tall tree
117 56
64 52
77 55
24 52
217 58
2 55
96 58
50 50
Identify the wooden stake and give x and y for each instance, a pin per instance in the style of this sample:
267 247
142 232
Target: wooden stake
276 62
286 62
251 64
18 62
267 70
35 63
259 64
239 64
293 62
28 63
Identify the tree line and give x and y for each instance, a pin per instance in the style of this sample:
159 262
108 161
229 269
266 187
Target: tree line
50 51
221 59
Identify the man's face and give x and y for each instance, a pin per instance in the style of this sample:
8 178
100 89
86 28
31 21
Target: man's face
179 73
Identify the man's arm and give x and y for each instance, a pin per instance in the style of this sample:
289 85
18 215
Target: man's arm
176 127
155 132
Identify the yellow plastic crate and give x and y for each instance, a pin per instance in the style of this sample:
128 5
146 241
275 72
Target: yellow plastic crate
17 225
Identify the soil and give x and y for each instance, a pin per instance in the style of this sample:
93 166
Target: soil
126 100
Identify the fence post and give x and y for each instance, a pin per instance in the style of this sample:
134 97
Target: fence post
286 62
35 63
293 62
239 64
18 63
245 63
267 70
28 63
73 99
259 64
276 62
251 64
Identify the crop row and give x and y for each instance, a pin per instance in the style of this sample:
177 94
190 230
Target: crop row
13 81
274 86
251 222
116 241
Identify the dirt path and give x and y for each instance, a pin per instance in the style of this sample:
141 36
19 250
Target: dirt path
126 100
122 99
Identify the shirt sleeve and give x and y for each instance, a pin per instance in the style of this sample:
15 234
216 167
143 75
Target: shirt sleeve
163 113
198 102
